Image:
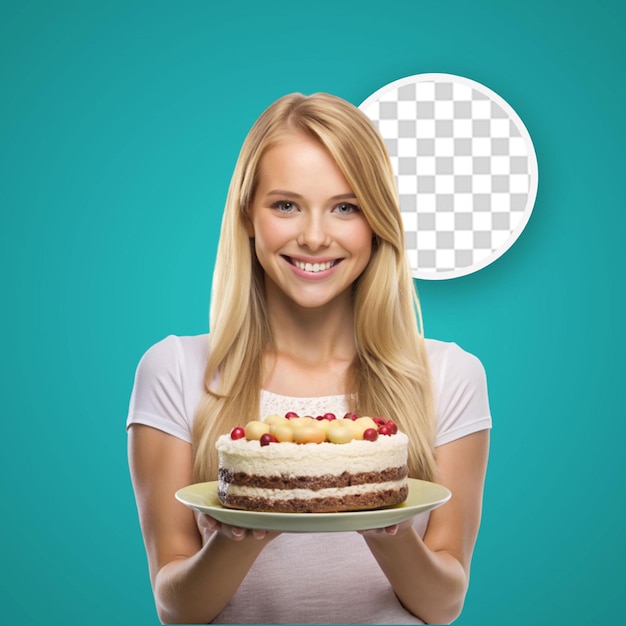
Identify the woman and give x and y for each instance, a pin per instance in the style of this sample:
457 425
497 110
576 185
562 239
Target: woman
313 310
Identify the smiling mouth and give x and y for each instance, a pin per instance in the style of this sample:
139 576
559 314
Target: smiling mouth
312 268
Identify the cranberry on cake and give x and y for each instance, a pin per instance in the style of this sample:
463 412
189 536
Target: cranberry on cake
298 464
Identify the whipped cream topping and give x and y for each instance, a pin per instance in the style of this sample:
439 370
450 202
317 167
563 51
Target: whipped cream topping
312 459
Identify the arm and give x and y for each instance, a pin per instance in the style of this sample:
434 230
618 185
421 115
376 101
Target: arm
430 576
191 582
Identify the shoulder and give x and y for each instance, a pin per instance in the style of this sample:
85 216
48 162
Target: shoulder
175 351
460 390
448 361
169 383
174 365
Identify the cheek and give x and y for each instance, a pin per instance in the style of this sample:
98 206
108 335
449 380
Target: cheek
363 239
270 236
267 237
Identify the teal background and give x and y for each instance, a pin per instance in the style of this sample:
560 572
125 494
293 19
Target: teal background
120 123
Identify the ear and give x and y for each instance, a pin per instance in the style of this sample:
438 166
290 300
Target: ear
247 222
249 226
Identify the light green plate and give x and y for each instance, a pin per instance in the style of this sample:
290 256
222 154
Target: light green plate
423 496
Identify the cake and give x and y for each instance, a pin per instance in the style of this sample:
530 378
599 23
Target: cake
298 464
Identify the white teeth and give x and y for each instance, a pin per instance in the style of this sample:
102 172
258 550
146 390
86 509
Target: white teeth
313 267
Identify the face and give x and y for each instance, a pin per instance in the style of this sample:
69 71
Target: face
311 237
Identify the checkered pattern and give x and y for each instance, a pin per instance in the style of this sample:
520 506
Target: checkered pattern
465 168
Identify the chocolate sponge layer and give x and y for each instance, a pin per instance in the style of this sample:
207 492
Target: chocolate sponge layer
336 504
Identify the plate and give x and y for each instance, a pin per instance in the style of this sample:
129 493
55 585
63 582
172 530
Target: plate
423 496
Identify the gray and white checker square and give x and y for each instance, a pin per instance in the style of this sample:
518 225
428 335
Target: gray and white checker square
465 167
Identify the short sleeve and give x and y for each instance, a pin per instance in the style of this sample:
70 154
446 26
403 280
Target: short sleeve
462 403
157 398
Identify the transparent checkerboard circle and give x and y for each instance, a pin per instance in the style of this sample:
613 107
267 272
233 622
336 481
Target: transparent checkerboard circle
465 166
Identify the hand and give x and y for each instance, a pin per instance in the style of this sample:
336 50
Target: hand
391 531
209 525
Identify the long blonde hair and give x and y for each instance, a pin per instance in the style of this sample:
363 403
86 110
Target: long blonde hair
390 373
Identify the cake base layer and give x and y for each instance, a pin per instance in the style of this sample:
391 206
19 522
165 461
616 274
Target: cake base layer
313 504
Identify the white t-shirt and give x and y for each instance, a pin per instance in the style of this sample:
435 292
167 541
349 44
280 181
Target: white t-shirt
316 578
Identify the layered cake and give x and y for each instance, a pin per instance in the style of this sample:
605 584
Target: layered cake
298 464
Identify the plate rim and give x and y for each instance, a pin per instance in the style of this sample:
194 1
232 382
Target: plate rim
340 521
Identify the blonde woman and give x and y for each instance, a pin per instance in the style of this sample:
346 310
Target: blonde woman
313 310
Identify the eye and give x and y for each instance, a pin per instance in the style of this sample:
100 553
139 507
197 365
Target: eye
284 206
346 208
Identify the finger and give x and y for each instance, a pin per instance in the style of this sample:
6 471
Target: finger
207 526
212 524
238 533
392 530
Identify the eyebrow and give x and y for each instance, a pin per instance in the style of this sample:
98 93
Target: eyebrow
292 194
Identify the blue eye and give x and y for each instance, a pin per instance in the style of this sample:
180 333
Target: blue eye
346 209
284 206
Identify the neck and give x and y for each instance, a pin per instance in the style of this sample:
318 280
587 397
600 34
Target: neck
315 335
313 348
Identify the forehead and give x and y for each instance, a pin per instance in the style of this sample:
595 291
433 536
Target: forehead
299 158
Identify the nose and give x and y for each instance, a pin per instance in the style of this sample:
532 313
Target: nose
314 233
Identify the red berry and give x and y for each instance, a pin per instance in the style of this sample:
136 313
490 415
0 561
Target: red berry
350 416
370 434
237 433
329 416
392 426
319 418
266 439
290 414
379 421
384 430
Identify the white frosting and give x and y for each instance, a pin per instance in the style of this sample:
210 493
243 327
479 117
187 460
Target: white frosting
309 494
312 459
